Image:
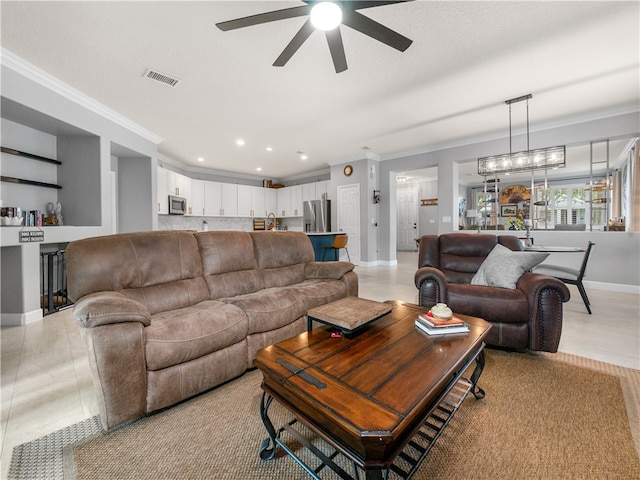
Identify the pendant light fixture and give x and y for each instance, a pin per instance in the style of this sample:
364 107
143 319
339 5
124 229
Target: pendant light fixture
537 159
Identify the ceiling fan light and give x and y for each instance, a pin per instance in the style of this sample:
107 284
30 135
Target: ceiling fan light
326 15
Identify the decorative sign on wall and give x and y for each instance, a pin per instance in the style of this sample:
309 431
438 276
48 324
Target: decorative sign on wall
28 236
428 202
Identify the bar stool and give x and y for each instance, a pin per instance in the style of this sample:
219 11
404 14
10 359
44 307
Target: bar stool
339 242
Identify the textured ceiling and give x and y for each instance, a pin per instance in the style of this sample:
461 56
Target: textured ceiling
578 59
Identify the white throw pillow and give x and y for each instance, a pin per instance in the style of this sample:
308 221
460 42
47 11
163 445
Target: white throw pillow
503 267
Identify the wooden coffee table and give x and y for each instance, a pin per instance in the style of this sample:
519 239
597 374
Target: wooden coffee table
380 400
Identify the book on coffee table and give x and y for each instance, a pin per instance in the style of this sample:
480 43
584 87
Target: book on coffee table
442 330
435 322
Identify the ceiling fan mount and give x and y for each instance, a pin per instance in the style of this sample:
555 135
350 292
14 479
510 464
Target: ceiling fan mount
350 18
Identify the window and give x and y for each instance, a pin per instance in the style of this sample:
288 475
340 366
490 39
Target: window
567 204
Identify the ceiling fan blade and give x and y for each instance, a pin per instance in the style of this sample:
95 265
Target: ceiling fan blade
265 18
357 5
334 38
375 30
295 43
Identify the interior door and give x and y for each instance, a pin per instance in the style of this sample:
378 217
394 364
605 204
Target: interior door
407 206
349 220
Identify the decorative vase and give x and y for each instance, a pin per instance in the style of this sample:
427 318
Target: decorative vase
441 310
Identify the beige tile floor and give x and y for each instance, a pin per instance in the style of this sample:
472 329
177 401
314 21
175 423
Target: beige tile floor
46 384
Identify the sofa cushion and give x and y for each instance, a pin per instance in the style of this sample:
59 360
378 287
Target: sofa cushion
143 260
181 335
228 263
504 305
169 296
270 308
503 267
282 256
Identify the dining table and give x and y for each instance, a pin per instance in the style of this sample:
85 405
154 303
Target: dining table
554 249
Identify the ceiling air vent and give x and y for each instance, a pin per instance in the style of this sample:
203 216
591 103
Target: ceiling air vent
161 77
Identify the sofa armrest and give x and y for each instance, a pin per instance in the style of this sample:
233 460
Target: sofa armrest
332 270
104 308
432 286
545 296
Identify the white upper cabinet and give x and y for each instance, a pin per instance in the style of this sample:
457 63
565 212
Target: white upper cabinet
284 202
244 201
229 200
296 201
162 191
251 201
196 205
212 199
271 201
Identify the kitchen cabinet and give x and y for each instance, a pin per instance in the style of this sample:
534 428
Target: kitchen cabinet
296 201
220 199
251 201
290 201
162 191
284 202
196 204
271 201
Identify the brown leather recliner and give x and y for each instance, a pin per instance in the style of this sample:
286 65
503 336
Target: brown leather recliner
528 317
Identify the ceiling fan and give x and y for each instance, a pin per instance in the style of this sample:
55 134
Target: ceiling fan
350 17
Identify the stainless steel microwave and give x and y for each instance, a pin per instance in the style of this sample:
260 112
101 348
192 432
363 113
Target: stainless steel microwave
177 205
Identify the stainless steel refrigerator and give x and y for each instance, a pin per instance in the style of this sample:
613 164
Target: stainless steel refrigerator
317 216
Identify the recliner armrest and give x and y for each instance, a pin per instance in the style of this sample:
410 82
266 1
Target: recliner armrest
332 270
532 283
429 273
104 308
432 286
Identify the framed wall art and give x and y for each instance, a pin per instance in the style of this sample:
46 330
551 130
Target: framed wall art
508 210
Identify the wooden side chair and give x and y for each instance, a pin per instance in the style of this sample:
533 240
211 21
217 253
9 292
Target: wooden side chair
569 275
339 242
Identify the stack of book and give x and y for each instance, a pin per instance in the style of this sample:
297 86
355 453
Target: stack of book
436 326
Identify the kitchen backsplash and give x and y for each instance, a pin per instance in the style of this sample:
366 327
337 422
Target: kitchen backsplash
184 222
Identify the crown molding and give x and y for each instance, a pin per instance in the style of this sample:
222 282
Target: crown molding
12 61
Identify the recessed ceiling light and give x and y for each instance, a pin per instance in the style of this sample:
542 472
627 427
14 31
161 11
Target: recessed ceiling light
303 157
240 142
269 149
259 169
200 159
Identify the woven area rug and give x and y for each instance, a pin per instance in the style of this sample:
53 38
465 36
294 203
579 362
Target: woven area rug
544 417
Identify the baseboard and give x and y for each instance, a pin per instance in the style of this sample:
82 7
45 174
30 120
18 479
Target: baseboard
613 287
19 319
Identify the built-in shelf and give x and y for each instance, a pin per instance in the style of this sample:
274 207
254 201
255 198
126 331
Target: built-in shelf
30 155
29 182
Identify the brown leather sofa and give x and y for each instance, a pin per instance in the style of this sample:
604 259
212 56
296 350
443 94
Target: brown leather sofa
166 315
528 317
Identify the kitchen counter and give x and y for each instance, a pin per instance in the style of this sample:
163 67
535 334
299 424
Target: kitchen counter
323 233
320 240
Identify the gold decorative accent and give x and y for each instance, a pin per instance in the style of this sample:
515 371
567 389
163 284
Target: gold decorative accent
515 194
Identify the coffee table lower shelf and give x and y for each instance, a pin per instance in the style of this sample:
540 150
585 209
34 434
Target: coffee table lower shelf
405 465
